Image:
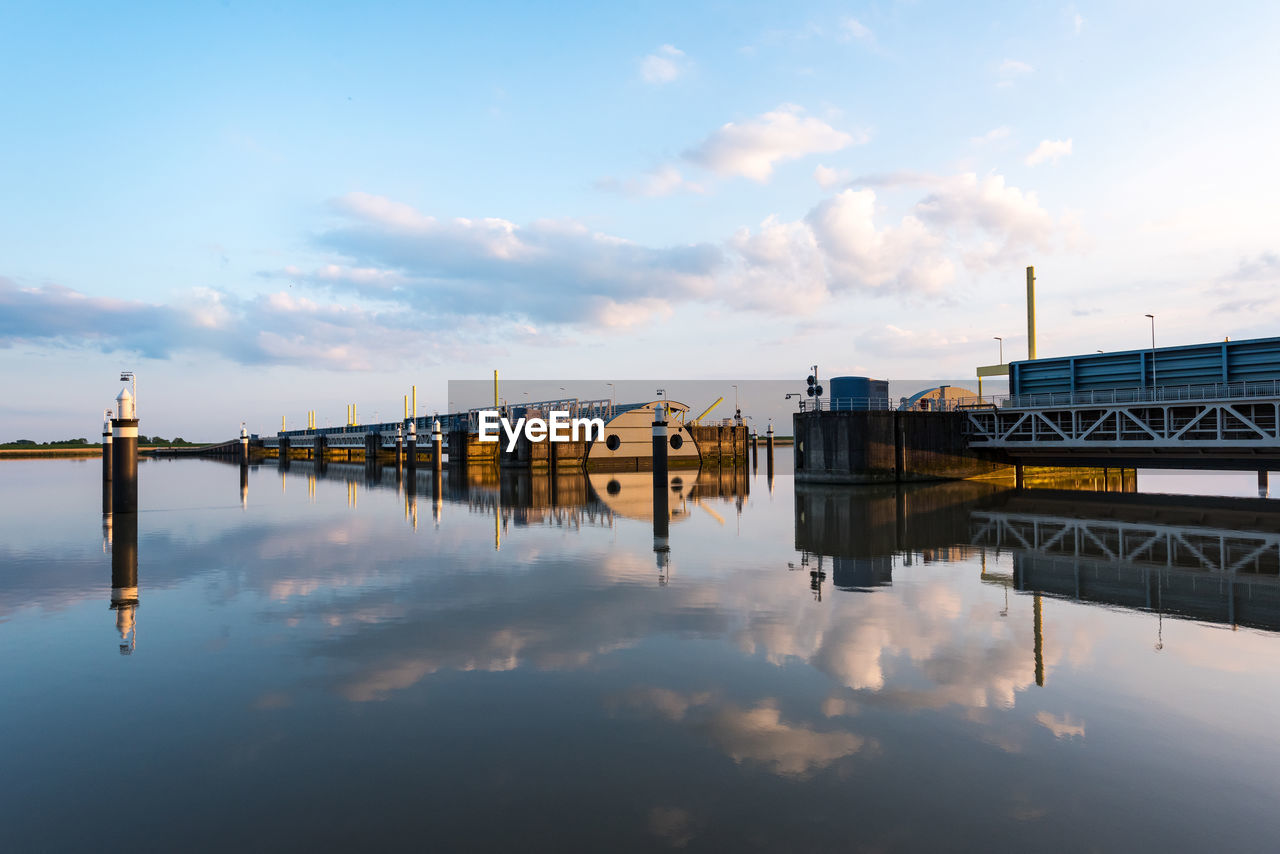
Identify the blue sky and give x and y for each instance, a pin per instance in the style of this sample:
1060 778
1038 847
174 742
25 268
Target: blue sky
270 208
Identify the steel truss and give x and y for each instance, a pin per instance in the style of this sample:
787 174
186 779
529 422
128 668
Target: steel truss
1240 424
1213 550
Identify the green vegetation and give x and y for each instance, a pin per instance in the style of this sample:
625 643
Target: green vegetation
72 444
28 444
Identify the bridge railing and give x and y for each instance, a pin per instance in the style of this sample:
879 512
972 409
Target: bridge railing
884 404
1128 396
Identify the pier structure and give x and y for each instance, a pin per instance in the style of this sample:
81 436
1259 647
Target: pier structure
455 440
1206 406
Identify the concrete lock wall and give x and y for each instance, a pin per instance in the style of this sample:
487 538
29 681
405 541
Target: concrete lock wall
882 447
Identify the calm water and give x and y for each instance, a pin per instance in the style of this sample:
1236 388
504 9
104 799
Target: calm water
334 661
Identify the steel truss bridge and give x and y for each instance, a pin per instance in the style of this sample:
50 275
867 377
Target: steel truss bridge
1218 426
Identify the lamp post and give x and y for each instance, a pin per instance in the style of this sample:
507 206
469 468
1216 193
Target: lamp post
737 410
1153 355
1001 340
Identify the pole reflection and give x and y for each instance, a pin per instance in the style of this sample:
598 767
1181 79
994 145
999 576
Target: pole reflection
124 578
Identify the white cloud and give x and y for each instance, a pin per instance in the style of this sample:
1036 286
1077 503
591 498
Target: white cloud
665 180
990 208
1076 19
852 28
828 177
993 135
752 148
664 65
1049 151
1061 727
405 274
1010 70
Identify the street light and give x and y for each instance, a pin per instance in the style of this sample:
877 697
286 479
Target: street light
1153 354
737 410
1001 340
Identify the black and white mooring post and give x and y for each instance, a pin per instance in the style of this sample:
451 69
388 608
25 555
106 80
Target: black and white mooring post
755 449
244 445
1264 488
768 450
106 447
412 457
399 444
124 455
437 447
661 513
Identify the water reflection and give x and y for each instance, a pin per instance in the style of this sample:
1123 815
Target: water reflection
1212 559
515 656
124 578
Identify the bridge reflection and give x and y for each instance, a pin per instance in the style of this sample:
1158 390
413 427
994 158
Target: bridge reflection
1211 559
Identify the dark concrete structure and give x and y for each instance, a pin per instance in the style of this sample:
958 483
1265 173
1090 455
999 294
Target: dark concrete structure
888 447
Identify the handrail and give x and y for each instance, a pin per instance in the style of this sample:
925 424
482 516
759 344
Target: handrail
1158 394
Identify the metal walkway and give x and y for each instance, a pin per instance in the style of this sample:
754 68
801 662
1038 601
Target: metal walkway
1239 422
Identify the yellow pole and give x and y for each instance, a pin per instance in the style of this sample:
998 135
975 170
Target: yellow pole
281 423
355 419
495 389
415 400
406 407
1031 312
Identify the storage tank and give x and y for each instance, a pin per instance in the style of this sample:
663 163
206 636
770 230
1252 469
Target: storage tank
859 393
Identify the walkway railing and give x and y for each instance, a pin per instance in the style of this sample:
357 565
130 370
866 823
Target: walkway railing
1128 396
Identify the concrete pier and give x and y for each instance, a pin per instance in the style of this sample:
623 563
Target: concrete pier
876 446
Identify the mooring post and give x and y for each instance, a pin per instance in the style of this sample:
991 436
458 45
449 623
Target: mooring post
661 513
244 445
768 450
1017 476
755 450
412 457
1264 488
399 445
106 448
437 447
124 456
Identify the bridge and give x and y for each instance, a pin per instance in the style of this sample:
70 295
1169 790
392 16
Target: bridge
1213 426
1209 406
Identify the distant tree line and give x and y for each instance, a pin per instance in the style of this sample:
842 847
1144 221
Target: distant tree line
84 443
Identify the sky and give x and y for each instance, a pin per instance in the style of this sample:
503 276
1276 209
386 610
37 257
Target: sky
269 208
